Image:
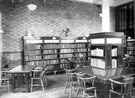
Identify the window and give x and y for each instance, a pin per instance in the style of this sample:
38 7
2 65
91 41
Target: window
125 19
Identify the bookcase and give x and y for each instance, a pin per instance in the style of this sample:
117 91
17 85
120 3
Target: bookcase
131 53
106 49
51 52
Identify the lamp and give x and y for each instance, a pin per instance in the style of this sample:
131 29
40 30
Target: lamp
32 7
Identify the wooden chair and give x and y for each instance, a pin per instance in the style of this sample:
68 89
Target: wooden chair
86 86
5 80
38 79
121 87
133 88
71 82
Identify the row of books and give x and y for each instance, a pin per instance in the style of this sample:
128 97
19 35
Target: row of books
131 48
114 63
32 46
53 56
38 63
97 52
49 62
80 45
132 57
98 63
51 46
114 52
30 53
62 65
66 55
131 52
131 43
67 45
67 51
81 50
30 58
54 51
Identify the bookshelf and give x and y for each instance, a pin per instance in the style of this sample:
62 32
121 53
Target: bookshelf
131 53
106 49
51 53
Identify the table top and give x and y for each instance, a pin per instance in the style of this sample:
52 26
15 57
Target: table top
21 69
105 74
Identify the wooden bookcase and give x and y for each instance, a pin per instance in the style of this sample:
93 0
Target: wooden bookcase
131 53
106 49
46 51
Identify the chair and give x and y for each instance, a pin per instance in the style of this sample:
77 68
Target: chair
121 87
133 88
86 86
5 80
71 81
38 79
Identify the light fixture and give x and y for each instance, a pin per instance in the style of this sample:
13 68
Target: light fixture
54 38
84 37
32 7
101 15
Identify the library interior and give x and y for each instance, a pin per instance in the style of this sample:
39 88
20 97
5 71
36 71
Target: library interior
67 48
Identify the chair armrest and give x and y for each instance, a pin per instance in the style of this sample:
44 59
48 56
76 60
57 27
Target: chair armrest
117 82
88 78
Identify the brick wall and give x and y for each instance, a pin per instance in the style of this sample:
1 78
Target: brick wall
50 19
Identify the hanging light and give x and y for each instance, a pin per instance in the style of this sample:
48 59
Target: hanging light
32 7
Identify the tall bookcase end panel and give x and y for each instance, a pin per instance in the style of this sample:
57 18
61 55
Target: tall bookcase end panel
107 49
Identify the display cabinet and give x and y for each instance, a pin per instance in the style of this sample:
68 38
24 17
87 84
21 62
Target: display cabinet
106 49
130 61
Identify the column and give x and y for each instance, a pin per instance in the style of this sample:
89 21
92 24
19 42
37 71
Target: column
134 18
0 43
105 16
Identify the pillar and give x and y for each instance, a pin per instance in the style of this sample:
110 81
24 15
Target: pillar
105 16
134 18
0 43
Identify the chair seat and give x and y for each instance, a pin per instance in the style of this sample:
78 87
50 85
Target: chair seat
119 92
89 93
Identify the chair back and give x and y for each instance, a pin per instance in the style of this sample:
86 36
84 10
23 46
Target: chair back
129 85
84 80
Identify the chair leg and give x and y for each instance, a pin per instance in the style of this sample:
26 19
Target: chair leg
31 85
109 94
8 85
77 92
95 93
66 87
42 85
70 90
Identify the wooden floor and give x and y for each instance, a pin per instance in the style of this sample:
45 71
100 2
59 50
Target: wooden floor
55 89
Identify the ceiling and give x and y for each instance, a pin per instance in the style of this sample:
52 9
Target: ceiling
99 2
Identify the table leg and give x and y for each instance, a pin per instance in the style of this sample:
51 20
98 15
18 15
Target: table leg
27 82
13 82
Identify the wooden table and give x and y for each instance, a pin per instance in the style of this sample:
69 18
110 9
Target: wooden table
20 76
103 76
